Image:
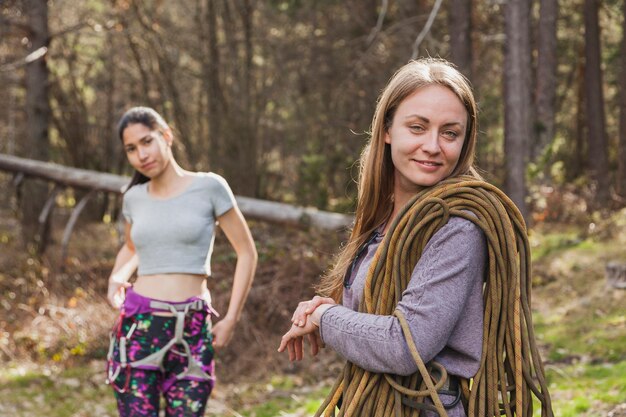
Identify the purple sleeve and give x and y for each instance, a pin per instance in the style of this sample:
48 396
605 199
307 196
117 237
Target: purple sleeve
449 273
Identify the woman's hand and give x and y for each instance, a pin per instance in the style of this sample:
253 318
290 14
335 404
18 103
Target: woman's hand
116 293
293 339
223 332
126 263
306 308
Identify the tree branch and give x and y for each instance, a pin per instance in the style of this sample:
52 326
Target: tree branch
32 57
379 24
425 29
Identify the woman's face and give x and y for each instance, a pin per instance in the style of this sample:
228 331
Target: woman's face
147 150
426 137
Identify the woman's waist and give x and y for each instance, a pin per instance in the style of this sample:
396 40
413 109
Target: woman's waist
171 287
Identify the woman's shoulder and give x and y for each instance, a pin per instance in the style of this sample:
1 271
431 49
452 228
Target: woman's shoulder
211 179
135 191
460 228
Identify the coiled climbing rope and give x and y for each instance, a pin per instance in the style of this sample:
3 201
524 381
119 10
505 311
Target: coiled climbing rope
510 371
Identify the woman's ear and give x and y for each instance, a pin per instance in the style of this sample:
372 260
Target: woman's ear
387 137
168 136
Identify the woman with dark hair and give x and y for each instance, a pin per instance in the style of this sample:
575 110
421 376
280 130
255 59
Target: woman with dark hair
163 344
431 244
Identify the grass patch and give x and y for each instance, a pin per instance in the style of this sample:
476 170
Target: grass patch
281 395
544 245
577 316
595 337
76 392
585 389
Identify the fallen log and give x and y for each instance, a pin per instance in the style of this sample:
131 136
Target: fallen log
104 182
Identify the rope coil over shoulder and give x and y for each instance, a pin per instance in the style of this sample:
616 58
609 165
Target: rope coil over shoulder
511 371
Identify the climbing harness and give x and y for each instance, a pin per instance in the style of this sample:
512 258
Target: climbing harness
510 371
155 360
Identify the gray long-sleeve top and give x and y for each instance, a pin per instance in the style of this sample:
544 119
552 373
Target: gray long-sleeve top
442 304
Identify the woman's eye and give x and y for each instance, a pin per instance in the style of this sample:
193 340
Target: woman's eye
451 134
129 150
416 128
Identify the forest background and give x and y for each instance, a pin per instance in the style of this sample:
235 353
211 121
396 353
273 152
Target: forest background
277 96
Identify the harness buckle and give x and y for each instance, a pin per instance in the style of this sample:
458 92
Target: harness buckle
450 387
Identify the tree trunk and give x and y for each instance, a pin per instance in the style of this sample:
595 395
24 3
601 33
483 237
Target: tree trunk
545 89
621 154
578 162
87 180
460 24
249 154
517 96
36 144
596 135
214 93
240 141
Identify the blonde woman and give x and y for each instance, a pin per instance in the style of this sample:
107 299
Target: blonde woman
423 139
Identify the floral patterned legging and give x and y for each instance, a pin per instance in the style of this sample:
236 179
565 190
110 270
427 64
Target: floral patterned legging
138 391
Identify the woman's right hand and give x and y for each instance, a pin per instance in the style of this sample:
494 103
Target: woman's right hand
116 293
126 263
293 339
306 308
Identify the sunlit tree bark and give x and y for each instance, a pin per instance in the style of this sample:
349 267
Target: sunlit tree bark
517 96
460 24
546 83
36 142
596 133
621 155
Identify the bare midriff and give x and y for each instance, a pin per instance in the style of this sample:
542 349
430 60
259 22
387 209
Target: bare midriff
170 287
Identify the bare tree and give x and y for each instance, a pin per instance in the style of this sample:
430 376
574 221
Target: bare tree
212 84
621 154
596 134
241 148
578 162
517 99
36 144
546 82
460 24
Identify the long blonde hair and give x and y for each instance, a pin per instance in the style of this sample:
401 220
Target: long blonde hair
376 170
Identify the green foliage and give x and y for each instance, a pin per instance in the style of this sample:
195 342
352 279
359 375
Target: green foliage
586 320
45 391
585 389
596 336
553 243
579 321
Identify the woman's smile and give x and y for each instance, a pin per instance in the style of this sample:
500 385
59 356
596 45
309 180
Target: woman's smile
429 166
426 137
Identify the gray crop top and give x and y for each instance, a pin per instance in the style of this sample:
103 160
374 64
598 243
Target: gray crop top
175 235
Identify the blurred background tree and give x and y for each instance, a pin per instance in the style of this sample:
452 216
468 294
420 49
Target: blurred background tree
278 95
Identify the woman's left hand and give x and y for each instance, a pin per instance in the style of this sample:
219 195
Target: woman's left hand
292 340
223 331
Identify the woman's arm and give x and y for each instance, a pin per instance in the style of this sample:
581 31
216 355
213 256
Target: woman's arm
444 296
125 265
236 230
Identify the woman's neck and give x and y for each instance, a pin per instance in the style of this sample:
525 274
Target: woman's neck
168 181
400 198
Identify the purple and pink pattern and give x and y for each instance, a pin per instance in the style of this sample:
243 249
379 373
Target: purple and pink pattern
183 397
